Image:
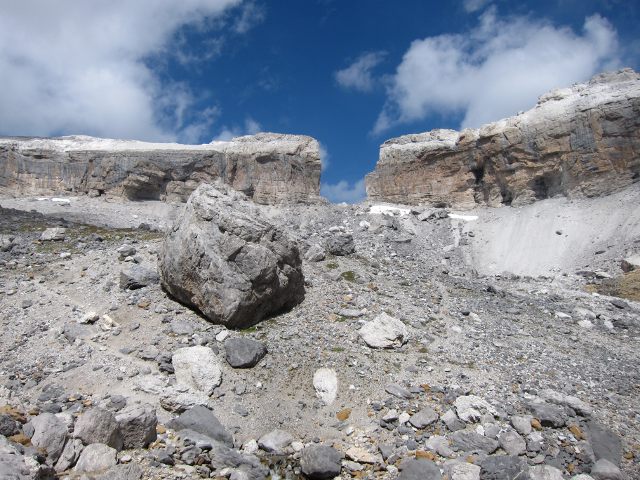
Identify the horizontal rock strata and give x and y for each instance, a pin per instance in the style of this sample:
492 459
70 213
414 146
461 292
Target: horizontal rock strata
577 141
269 168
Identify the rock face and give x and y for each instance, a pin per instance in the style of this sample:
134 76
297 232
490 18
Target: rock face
222 258
269 168
577 141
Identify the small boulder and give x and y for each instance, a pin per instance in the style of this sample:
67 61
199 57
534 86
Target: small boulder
197 368
275 441
137 276
49 434
320 462
384 331
423 418
315 254
55 234
473 442
138 426
631 263
99 426
419 469
202 420
605 470
96 458
325 383
244 352
340 244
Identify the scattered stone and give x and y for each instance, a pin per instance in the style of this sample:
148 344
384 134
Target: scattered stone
398 391
202 420
197 368
358 454
325 382
423 418
320 462
96 426
125 251
138 426
384 331
49 434
69 455
130 471
55 234
244 352
275 441
471 407
548 415
8 425
545 472
457 470
512 443
522 424
473 442
604 442
340 244
137 276
413 469
96 457
503 468
605 470
315 254
452 421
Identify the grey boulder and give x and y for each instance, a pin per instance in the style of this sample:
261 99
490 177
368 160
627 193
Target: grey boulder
419 469
138 426
320 462
137 276
96 457
202 420
423 418
98 425
340 244
222 258
244 352
315 254
503 467
473 442
275 441
49 434
55 234
605 470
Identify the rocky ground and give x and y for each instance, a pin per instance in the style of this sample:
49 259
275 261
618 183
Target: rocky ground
484 376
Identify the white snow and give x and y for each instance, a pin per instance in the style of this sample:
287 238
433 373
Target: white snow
466 218
388 210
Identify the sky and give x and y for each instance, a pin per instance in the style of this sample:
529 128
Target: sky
350 73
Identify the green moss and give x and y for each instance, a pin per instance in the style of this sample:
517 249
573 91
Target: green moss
332 265
349 276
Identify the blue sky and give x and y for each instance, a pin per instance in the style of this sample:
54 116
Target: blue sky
351 73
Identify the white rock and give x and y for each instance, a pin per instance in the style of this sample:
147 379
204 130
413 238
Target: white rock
471 407
222 336
544 472
95 458
325 382
275 441
457 470
585 324
384 331
403 418
358 454
198 368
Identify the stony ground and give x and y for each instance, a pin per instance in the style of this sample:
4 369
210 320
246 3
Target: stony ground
537 368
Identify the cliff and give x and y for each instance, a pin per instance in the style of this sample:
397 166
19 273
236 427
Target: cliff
577 141
269 168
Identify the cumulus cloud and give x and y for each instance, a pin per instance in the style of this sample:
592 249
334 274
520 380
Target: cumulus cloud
494 70
358 75
325 157
344 191
250 127
73 66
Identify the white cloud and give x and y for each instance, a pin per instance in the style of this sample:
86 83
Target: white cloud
251 127
358 75
496 69
474 5
251 16
325 158
73 66
343 191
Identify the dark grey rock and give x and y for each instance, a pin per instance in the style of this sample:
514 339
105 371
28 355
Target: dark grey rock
49 434
472 442
398 391
605 443
202 420
138 426
137 276
605 470
8 426
244 352
340 244
549 415
504 468
320 461
423 418
413 469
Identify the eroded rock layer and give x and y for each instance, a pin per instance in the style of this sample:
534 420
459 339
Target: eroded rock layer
269 168
577 141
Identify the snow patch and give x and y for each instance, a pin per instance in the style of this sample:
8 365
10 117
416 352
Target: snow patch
466 218
388 210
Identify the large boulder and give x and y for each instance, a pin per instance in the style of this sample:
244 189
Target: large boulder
224 259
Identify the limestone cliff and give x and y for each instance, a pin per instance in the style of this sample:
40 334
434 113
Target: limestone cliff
577 141
269 168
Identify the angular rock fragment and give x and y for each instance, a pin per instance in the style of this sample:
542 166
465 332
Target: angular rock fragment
197 368
138 426
224 259
97 425
325 382
96 457
384 331
244 352
320 462
202 420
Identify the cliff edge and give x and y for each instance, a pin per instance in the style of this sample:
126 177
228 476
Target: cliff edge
578 141
269 168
